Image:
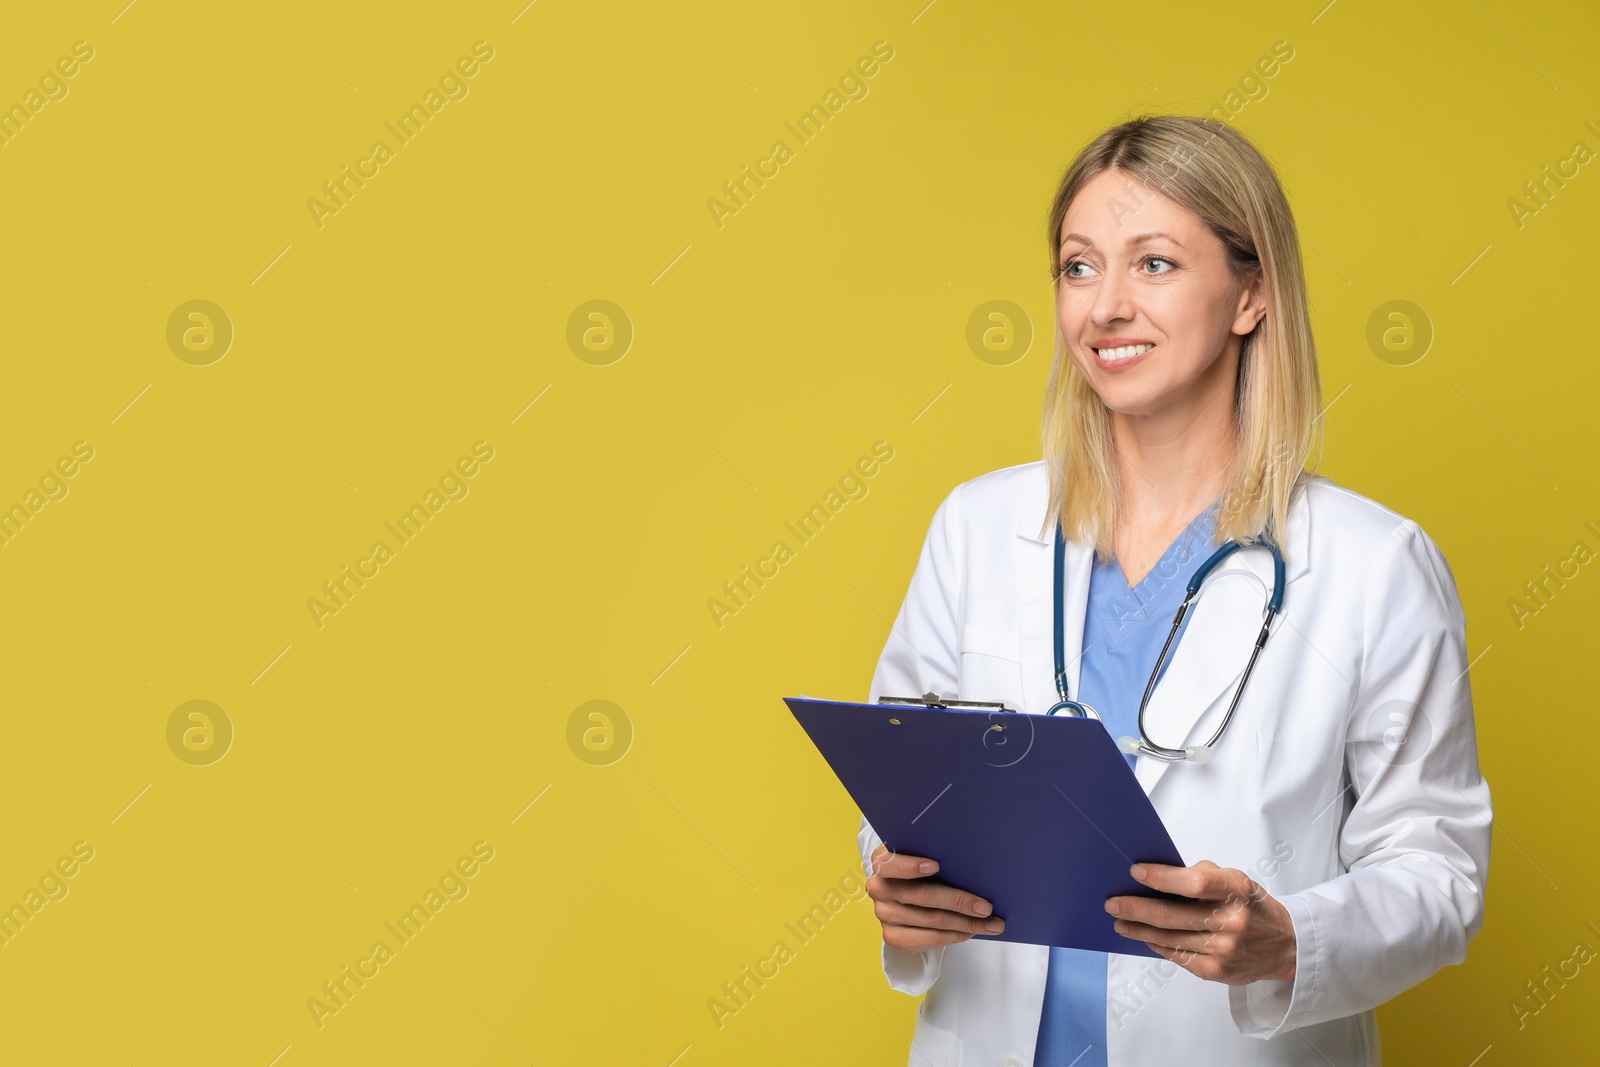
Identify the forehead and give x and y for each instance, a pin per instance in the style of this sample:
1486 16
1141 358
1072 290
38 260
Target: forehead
1114 208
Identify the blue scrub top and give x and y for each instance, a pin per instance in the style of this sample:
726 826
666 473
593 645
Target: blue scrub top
1123 632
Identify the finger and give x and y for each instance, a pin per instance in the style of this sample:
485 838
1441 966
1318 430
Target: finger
919 939
897 865
1203 881
937 895
894 913
1201 943
1175 914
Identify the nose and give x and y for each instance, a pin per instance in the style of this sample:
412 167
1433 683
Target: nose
1113 300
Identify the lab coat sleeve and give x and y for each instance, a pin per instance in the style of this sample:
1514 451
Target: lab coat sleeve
1415 841
921 656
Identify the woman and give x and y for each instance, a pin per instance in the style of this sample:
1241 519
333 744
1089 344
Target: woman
1342 817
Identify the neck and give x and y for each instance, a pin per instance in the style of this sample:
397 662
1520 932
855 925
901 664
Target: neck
1173 461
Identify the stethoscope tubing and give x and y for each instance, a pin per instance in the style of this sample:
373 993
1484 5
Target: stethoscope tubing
1142 744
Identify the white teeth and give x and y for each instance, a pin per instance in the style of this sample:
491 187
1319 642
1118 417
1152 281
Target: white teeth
1122 353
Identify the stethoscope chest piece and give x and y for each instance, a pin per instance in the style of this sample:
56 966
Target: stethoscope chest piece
1075 709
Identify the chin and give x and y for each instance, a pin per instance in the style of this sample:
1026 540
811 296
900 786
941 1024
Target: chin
1130 410
1131 401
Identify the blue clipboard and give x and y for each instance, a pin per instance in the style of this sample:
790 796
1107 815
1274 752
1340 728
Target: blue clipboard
1039 815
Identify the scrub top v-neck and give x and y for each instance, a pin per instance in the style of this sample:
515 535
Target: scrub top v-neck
1124 629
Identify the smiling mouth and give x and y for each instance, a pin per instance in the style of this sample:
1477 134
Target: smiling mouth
1122 352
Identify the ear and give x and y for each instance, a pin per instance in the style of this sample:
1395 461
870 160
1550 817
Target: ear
1252 304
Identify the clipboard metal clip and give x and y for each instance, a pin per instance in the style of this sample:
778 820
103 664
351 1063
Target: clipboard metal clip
933 700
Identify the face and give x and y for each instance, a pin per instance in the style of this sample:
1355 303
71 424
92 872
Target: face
1149 310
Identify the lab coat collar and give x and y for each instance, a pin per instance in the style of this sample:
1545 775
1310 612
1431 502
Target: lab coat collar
1201 673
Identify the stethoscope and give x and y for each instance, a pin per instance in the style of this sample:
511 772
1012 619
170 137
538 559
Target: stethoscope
1142 743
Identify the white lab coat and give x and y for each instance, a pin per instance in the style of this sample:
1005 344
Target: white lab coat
1346 785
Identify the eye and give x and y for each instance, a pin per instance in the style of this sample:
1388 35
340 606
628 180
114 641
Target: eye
1067 268
1155 266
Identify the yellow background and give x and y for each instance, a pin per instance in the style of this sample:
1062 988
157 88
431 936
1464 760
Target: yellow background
769 354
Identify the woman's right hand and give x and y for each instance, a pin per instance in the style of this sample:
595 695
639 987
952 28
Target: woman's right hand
917 914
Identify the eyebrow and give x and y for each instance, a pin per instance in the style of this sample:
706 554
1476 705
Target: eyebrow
1136 240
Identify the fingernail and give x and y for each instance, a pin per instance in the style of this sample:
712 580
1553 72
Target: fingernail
983 907
1113 907
1138 871
994 926
928 867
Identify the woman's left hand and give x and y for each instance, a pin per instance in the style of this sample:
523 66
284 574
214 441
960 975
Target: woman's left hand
1232 932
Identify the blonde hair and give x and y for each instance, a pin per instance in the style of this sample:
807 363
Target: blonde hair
1214 172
